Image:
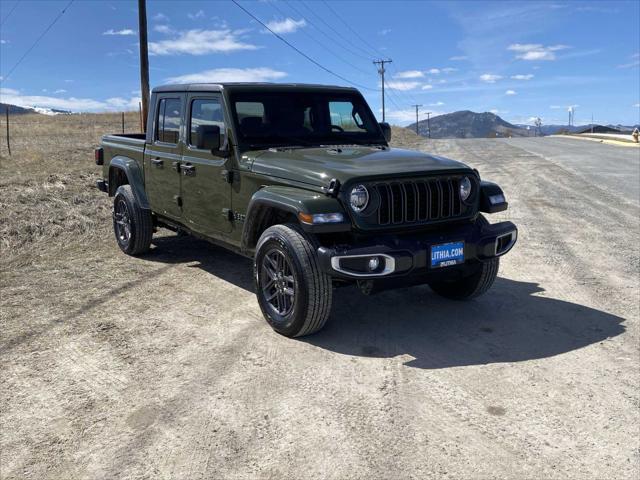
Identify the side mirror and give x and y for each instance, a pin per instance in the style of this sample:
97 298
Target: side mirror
386 130
208 137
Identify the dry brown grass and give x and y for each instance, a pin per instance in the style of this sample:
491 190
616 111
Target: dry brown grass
47 186
48 197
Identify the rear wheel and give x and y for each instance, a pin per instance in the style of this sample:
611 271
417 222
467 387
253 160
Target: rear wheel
293 293
473 285
132 225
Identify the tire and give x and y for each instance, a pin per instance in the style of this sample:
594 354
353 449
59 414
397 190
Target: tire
294 295
471 286
132 225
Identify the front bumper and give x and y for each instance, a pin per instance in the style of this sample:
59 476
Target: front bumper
410 254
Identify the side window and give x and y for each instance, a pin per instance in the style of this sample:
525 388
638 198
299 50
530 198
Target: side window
344 116
168 121
205 112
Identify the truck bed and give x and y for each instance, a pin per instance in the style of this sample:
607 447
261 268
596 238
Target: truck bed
130 145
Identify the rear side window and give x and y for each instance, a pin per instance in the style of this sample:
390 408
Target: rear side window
205 112
168 122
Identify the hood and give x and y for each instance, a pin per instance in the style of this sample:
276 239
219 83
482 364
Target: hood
318 165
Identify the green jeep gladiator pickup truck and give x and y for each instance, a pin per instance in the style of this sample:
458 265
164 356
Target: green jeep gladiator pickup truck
302 179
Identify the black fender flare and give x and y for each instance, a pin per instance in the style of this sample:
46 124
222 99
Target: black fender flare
490 189
291 200
133 172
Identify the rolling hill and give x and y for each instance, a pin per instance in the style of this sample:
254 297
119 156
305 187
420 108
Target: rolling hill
468 124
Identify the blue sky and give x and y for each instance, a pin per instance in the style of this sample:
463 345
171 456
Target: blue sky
519 60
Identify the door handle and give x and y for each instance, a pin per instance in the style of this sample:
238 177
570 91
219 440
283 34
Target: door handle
188 170
158 162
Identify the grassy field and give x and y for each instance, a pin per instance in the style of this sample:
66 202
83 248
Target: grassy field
47 186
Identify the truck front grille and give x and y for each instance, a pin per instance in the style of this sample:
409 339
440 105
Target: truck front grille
419 201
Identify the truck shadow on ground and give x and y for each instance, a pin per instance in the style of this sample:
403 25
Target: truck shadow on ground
513 322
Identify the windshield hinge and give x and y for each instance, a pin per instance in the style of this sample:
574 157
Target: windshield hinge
333 188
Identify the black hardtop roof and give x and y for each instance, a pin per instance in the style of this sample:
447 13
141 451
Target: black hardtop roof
247 86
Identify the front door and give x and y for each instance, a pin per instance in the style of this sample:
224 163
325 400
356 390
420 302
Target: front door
162 157
205 191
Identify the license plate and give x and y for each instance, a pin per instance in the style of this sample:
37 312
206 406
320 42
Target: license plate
447 254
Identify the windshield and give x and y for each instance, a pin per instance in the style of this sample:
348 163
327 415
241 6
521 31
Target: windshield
299 118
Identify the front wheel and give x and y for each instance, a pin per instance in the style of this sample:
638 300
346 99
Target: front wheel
473 285
293 293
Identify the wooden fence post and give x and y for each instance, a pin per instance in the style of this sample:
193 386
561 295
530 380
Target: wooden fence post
6 111
123 123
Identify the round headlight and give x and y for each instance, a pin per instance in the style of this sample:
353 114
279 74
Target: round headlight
359 198
465 188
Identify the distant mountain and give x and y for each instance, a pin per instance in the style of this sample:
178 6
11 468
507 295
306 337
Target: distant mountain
556 129
14 109
468 124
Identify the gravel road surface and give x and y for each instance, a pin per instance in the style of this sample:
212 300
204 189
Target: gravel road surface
162 366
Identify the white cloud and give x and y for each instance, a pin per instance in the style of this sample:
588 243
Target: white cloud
436 104
495 111
403 86
163 29
563 107
409 74
220 75
60 90
490 78
510 92
528 76
449 70
3 41
637 105
434 71
458 58
160 17
123 32
200 42
288 25
535 51
384 31
14 97
426 86
194 16
635 61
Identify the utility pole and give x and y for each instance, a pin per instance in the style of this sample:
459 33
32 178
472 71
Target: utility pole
144 61
417 107
6 111
429 124
381 71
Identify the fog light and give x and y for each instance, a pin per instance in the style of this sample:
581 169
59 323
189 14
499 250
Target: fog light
374 263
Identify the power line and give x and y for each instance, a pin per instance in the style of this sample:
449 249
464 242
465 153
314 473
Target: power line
375 51
37 40
348 43
298 50
322 44
10 12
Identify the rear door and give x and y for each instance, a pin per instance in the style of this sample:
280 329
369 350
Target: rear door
162 156
206 193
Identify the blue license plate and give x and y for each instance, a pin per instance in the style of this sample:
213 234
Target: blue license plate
447 254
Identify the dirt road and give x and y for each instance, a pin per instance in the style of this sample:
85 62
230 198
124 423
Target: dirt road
162 367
